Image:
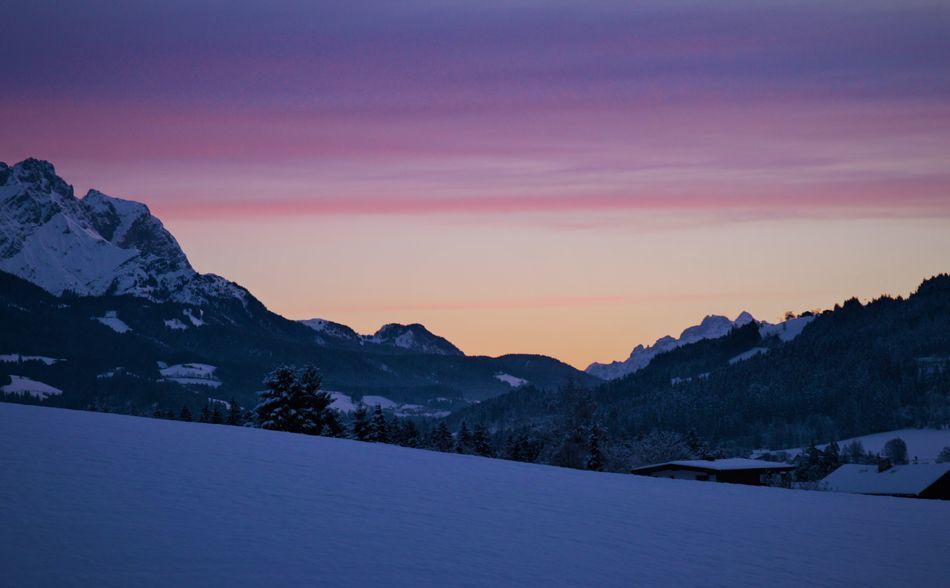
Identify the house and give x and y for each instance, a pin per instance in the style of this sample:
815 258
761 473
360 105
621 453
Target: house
735 470
924 480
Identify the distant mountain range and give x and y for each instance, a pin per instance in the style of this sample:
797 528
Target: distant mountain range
711 327
101 288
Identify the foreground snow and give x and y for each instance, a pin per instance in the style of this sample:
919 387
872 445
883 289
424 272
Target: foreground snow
100 499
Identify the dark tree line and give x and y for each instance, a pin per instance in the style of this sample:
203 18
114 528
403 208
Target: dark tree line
854 370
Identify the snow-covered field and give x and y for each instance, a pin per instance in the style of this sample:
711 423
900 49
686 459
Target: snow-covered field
345 403
23 386
108 500
199 374
112 320
17 358
382 401
512 381
924 444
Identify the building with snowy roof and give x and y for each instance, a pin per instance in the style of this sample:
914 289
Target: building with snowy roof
924 480
735 470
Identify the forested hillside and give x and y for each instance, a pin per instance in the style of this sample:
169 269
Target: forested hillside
856 369
127 354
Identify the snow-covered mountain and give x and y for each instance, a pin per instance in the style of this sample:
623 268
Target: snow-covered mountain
95 245
711 327
414 337
329 332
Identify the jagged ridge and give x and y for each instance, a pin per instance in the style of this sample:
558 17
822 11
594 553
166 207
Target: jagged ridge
95 245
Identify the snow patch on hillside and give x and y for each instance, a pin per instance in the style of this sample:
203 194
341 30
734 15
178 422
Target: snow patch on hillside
788 330
17 358
200 374
103 499
748 354
22 386
342 402
112 320
175 325
512 381
382 401
195 320
345 404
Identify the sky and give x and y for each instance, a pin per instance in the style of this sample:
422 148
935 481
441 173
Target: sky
566 178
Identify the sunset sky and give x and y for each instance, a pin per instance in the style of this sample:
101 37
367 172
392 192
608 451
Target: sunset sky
567 178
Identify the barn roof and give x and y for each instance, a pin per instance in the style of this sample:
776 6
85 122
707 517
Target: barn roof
904 480
717 465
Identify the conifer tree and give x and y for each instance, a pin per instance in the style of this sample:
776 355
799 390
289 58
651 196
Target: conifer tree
205 416
410 434
235 413
332 427
362 430
216 416
595 455
830 458
442 438
464 440
185 414
481 442
294 402
380 430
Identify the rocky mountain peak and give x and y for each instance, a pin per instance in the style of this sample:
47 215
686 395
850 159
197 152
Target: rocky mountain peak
94 246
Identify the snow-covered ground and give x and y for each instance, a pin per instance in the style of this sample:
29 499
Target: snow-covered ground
108 500
924 444
17 357
200 374
788 330
513 381
382 401
112 320
345 403
342 402
23 386
748 354
195 320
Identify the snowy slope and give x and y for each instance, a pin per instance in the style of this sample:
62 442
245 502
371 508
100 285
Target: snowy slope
23 386
94 245
109 500
786 330
198 374
111 319
17 357
513 381
924 444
